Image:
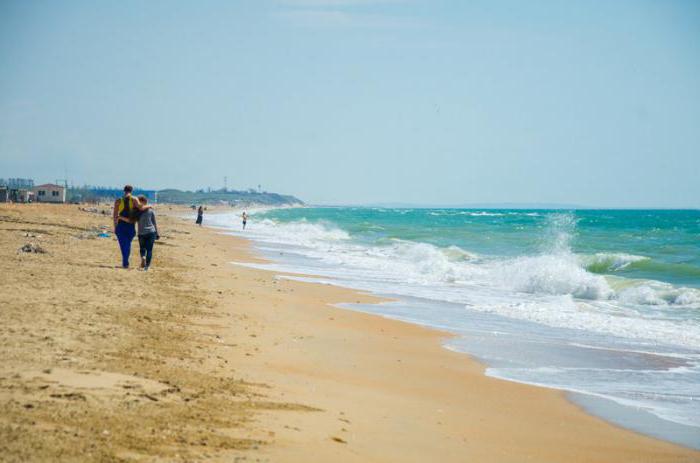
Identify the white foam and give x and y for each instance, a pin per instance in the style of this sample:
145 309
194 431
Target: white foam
657 293
555 274
552 288
484 214
640 389
455 212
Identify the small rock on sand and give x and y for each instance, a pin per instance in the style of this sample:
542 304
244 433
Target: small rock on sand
32 248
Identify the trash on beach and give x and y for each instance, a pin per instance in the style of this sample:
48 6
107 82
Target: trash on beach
92 234
33 248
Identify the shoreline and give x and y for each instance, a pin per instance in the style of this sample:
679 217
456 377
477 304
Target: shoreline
618 415
440 338
243 364
409 309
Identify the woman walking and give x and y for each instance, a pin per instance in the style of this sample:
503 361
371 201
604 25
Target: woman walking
200 215
124 214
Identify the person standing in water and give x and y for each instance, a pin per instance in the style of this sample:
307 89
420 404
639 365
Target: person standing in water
245 219
200 215
125 211
148 233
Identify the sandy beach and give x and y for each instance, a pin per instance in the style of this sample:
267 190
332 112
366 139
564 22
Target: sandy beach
203 360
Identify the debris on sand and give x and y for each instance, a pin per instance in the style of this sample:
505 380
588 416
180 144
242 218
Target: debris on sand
33 248
92 234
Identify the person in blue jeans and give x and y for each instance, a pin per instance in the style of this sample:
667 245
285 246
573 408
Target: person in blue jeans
125 214
148 232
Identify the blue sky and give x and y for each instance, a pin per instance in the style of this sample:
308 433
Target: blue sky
357 101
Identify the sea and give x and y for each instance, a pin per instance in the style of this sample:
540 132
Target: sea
602 304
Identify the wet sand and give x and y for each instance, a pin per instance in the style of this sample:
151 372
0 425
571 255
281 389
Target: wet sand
202 360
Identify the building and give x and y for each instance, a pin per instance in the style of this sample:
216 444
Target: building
50 193
15 195
16 190
20 195
17 183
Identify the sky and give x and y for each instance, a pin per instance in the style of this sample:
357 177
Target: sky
590 102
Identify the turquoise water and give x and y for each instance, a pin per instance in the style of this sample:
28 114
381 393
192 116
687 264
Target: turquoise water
603 304
668 239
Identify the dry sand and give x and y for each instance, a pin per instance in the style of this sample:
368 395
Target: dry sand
201 360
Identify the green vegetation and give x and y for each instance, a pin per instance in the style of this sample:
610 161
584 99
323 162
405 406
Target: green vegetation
232 197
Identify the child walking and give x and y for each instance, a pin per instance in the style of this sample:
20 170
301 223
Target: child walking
148 233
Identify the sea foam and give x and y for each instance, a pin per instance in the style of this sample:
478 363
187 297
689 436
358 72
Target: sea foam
553 286
542 315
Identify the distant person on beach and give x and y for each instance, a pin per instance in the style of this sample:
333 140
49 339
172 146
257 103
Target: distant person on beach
125 215
245 219
200 215
148 233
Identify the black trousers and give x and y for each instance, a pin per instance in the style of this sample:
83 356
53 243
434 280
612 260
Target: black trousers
146 243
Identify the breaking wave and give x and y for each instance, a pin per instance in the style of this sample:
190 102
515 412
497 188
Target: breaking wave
610 262
553 286
555 271
532 282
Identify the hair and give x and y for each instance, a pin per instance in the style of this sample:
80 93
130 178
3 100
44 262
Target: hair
128 189
143 199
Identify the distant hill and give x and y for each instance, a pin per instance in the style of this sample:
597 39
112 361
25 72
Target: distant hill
233 197
92 194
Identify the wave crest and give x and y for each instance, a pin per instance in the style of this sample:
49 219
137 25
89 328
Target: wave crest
302 232
604 262
552 274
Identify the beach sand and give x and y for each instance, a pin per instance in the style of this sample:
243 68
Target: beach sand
202 360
